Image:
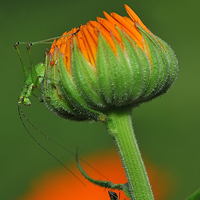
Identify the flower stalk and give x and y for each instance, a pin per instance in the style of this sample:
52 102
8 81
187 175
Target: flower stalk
119 123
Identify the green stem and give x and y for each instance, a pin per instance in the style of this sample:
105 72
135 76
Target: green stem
119 125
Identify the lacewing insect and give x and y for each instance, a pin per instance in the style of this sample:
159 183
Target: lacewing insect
33 80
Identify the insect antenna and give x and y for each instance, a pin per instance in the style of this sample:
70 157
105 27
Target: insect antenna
20 115
46 136
47 41
24 68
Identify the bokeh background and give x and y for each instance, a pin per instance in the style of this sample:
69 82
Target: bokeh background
167 129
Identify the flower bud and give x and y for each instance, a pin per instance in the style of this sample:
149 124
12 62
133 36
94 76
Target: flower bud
106 64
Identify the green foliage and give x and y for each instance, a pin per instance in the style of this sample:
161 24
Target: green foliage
195 196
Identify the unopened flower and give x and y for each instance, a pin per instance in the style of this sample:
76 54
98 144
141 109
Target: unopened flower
108 63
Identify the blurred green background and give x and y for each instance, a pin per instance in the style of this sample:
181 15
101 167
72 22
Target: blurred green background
167 128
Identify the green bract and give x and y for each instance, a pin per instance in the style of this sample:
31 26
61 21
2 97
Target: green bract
127 77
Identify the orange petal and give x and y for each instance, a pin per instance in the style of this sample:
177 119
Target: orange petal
134 17
128 28
90 45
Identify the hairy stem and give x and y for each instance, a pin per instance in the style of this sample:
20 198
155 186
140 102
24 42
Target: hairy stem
119 125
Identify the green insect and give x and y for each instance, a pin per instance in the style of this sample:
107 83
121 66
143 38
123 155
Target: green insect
34 76
33 80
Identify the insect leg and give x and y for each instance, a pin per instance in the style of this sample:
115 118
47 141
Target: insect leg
24 68
33 70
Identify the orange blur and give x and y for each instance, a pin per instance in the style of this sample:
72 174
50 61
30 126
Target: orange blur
61 185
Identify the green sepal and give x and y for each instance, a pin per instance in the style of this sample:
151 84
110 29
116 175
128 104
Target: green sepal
52 97
162 60
105 184
139 64
195 196
70 93
156 67
85 77
170 67
105 67
124 77
173 63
